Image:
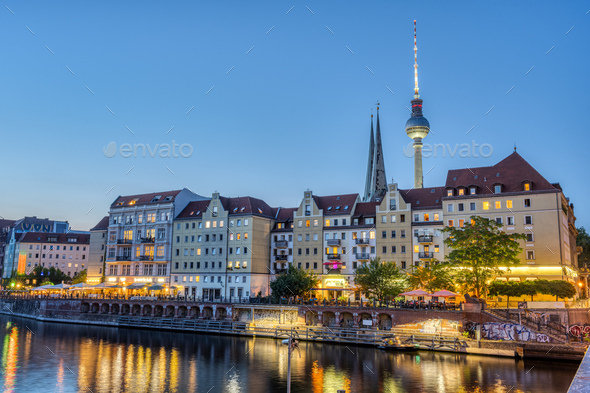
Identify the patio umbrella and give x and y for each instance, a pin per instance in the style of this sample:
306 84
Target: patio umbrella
60 286
104 285
42 288
415 292
444 293
137 285
156 287
81 285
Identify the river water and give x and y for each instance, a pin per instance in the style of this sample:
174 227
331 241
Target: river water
51 357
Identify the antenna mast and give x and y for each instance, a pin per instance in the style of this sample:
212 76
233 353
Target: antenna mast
416 95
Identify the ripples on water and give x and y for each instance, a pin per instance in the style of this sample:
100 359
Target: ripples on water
49 357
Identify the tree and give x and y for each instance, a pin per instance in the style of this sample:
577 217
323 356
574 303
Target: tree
380 280
436 277
583 240
508 289
43 275
293 283
480 248
530 288
557 288
80 277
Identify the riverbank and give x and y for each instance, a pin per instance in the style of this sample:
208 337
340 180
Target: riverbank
338 336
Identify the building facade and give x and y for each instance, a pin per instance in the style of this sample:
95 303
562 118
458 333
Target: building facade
98 251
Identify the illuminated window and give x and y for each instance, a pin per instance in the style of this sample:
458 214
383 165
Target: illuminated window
214 224
498 204
315 223
436 248
461 191
327 223
393 218
461 223
449 192
245 235
426 217
238 236
436 217
486 205
244 265
509 204
198 251
280 225
372 235
416 248
220 224
530 255
527 186
451 223
208 224
307 223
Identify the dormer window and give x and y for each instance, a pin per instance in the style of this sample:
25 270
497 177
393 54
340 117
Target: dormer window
432 191
497 189
461 191
156 198
242 209
450 192
337 207
346 207
235 209
527 186
330 208
168 198
472 191
133 201
120 203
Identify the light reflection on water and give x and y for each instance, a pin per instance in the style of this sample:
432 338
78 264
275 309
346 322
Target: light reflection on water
72 358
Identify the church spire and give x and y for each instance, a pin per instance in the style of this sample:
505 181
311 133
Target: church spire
379 180
369 177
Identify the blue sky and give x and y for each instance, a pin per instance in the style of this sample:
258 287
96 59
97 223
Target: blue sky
281 96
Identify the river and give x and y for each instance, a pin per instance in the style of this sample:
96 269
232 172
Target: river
51 357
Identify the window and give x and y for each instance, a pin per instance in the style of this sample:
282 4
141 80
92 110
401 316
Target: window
486 205
239 223
327 223
509 204
497 189
416 217
510 220
528 220
369 221
384 219
300 237
450 208
298 251
529 237
472 191
402 218
384 250
416 248
527 203
461 191
436 248
299 224
450 223
307 223
472 206
499 220
530 255
403 264
315 237
460 207
498 204
461 223
403 249
393 218
315 223
449 192
402 233
383 234
393 249
393 234
527 186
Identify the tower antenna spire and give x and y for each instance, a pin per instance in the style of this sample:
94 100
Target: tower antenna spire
416 95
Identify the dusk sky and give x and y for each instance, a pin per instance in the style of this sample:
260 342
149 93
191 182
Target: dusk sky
275 97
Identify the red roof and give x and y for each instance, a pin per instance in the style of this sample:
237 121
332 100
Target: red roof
41 237
511 172
285 214
194 209
365 209
336 204
246 205
102 224
144 199
424 198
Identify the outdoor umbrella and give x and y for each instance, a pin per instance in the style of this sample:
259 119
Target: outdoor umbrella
42 288
415 292
156 287
137 285
104 285
59 286
444 293
81 285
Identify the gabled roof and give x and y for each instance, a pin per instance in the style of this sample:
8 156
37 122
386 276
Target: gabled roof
194 209
511 172
424 198
102 224
6 223
365 209
285 214
144 199
335 205
246 205
42 237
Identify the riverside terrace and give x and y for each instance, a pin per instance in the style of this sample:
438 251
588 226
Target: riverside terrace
472 320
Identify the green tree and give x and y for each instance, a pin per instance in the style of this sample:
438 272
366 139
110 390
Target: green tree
80 277
293 283
557 288
529 288
380 280
508 289
436 277
583 240
480 248
43 275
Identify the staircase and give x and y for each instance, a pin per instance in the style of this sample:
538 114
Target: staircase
556 332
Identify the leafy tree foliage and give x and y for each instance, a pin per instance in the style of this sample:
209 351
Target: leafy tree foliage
508 289
480 248
293 283
380 280
80 277
583 240
434 278
52 275
557 288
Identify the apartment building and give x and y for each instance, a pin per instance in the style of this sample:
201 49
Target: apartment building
519 198
139 244
65 251
98 251
222 248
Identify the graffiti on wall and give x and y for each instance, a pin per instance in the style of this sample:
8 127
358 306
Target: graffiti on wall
580 331
511 332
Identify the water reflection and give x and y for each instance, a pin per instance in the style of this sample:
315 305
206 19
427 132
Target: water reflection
69 358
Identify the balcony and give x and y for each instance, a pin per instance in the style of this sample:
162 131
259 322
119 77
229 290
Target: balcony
333 242
281 257
281 244
362 256
424 238
332 257
124 241
279 271
123 258
362 241
425 255
147 239
146 258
